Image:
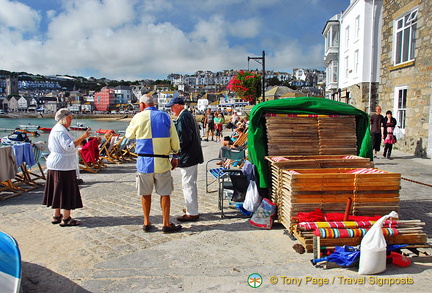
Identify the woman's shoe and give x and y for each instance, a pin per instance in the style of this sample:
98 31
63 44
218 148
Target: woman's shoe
57 220
69 222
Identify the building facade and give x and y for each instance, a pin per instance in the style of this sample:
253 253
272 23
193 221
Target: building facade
406 64
104 98
352 54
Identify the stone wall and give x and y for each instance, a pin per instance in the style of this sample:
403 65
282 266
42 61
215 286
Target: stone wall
416 75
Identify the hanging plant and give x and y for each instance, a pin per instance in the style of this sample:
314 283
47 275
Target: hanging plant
246 85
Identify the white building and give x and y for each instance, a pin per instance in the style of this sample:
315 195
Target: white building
359 51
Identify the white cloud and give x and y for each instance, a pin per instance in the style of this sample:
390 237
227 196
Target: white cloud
18 16
245 28
133 39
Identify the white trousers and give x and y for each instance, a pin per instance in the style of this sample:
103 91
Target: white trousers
190 189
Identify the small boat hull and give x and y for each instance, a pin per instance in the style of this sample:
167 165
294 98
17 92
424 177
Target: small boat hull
10 264
78 128
45 129
104 131
29 126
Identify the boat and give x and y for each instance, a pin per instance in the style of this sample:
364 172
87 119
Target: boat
45 129
79 126
28 132
14 138
29 126
105 131
10 264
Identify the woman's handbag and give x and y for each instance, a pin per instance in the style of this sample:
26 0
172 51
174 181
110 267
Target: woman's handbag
229 125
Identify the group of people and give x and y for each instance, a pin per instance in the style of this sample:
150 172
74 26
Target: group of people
161 145
382 128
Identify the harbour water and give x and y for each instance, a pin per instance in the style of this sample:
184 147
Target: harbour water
94 124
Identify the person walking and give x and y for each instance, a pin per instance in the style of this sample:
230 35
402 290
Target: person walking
156 137
61 188
376 121
218 121
209 122
189 157
388 126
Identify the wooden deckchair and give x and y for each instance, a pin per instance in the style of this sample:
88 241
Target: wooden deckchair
37 173
25 156
107 149
241 140
88 166
89 158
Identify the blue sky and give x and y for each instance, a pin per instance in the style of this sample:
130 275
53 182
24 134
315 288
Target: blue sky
136 39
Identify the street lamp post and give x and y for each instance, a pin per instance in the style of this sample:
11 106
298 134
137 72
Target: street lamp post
260 60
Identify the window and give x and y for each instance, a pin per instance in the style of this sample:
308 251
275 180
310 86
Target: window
356 62
405 37
346 67
335 71
347 37
357 27
400 105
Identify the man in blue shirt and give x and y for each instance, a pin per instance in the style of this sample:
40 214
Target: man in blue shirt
156 137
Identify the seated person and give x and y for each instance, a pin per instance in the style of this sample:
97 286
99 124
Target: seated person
229 140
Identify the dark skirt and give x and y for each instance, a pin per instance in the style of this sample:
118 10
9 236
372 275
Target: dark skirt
62 191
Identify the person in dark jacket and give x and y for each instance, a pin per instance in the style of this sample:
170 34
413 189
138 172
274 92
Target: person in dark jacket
189 157
388 126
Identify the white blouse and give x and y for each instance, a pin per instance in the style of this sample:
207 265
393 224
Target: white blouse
63 154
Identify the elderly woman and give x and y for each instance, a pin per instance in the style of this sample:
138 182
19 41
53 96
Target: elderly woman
61 188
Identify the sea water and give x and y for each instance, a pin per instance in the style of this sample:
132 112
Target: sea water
94 124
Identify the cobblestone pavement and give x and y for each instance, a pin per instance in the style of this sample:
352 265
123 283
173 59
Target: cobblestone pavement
111 253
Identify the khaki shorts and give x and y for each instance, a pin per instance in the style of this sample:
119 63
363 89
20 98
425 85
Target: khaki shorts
161 182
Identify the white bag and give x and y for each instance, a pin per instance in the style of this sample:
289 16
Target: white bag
252 199
373 248
398 133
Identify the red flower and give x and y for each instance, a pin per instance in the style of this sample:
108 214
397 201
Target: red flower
247 85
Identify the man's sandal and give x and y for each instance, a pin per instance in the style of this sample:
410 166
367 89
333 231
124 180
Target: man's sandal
69 222
57 220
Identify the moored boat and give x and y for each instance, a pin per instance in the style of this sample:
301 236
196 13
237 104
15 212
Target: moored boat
29 126
15 137
45 129
28 132
105 131
10 264
79 126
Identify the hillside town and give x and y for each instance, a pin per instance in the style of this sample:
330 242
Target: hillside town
204 89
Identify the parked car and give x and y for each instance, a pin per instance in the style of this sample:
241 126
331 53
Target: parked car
2 112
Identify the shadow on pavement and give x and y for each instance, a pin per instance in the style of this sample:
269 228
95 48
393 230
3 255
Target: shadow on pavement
36 278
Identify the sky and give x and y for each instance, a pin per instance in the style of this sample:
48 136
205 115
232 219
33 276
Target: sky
149 39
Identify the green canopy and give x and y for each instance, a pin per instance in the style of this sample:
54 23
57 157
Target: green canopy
257 137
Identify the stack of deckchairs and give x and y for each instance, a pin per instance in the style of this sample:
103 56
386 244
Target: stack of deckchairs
296 134
280 163
372 192
316 236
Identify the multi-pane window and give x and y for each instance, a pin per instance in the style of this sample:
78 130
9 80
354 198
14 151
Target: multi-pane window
405 37
356 62
401 99
357 27
346 67
347 36
335 71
